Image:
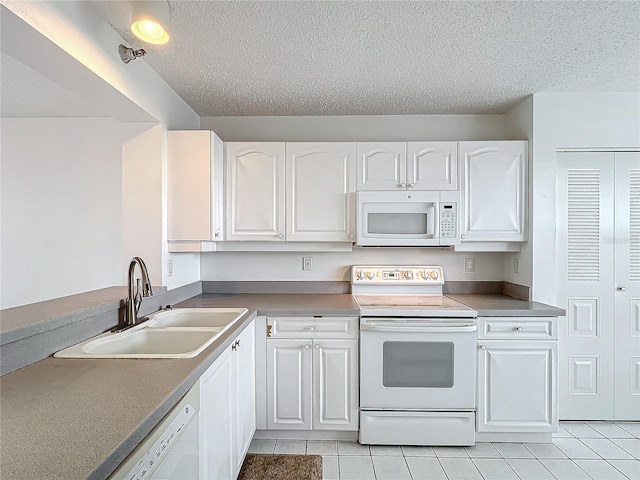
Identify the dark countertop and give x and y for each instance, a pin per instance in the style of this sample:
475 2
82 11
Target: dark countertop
504 306
77 418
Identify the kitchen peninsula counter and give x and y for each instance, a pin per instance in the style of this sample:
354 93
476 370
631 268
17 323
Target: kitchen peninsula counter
80 418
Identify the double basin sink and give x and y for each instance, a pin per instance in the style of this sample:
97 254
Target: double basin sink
179 333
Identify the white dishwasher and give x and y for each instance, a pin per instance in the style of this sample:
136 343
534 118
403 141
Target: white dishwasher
171 450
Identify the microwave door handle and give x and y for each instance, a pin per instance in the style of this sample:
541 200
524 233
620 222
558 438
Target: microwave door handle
436 216
418 328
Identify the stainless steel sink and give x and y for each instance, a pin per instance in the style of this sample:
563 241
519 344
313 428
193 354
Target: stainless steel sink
179 333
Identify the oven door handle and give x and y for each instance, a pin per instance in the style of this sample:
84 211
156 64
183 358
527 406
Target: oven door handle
418 328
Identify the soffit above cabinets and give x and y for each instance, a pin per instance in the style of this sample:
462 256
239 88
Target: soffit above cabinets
380 57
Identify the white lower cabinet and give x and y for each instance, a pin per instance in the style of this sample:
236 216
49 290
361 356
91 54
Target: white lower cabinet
227 408
517 377
312 381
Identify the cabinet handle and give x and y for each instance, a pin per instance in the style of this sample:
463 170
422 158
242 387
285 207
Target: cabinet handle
217 235
234 347
622 289
307 347
269 327
280 235
483 348
237 343
403 185
519 329
312 328
316 346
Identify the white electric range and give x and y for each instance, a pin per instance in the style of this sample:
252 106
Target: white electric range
417 358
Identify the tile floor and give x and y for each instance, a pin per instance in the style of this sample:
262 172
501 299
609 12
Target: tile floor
580 450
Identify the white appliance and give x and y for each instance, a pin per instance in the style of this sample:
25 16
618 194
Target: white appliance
417 358
172 448
411 218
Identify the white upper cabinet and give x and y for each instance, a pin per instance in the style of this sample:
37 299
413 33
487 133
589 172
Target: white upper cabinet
407 166
255 191
381 166
320 178
494 179
195 184
432 166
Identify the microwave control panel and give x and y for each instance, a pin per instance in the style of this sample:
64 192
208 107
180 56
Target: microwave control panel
448 220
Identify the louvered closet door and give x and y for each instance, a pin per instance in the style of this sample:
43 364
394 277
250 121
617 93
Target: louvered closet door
598 240
627 285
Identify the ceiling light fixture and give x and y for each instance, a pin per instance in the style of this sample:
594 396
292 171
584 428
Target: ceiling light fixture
127 53
149 19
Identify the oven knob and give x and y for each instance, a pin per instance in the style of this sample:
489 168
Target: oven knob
360 275
433 274
408 275
424 274
370 275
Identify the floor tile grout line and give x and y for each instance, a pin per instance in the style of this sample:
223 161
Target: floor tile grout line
501 458
618 470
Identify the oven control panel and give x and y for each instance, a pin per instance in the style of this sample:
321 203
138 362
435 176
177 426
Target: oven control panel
400 275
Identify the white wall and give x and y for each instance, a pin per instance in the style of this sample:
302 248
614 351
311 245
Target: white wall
606 120
334 266
356 128
144 211
518 124
61 207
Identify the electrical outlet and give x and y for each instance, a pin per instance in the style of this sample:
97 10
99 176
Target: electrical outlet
170 267
306 264
470 264
516 265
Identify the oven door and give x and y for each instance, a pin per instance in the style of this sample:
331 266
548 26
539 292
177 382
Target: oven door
422 364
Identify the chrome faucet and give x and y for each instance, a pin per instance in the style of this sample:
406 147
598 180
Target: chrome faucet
134 300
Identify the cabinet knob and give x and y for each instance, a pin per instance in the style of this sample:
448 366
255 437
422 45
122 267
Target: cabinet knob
622 289
518 329
317 347
483 348
403 185
280 235
351 237
307 347
312 328
412 185
463 236
217 234
234 346
269 328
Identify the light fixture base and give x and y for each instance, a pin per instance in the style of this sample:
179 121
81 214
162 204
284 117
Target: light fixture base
127 53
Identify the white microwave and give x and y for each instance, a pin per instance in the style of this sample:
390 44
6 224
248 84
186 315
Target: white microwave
409 218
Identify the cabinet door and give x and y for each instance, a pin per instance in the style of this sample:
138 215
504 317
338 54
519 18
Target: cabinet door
381 166
432 166
245 394
255 191
335 385
216 419
289 384
189 185
320 181
517 386
493 191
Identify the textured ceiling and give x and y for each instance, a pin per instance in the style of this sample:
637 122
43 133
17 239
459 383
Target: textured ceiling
28 94
389 57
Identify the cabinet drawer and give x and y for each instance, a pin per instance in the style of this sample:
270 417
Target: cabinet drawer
312 327
531 328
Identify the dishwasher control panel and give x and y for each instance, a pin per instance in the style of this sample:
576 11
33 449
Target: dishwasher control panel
152 456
